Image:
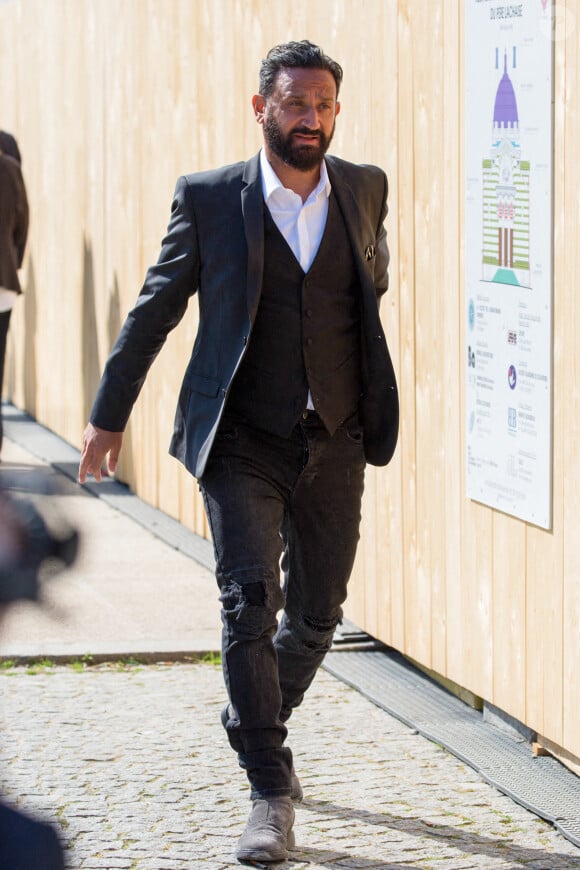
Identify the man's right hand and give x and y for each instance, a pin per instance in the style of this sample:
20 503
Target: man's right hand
97 443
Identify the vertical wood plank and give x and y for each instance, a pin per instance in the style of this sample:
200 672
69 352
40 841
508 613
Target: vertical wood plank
406 286
570 35
509 615
453 192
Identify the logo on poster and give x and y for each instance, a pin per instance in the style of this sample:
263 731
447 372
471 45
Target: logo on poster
512 377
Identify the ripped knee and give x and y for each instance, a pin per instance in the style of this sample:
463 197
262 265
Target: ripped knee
324 626
250 600
315 633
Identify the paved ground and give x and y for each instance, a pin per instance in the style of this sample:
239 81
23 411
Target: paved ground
133 767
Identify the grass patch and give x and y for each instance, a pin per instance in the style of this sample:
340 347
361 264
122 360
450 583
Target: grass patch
211 658
7 665
40 667
81 664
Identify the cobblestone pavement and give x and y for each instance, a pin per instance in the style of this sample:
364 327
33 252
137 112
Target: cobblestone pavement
133 766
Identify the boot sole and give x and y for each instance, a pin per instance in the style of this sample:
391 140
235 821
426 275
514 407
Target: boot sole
267 856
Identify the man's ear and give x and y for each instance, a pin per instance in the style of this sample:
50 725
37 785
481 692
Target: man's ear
336 109
259 106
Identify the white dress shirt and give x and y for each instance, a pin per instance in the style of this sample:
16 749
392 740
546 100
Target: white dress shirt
301 224
7 299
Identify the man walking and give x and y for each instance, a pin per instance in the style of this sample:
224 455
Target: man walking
288 393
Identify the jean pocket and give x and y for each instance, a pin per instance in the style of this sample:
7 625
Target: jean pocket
227 431
354 433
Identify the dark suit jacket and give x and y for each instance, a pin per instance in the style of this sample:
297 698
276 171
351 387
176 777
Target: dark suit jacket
13 222
214 246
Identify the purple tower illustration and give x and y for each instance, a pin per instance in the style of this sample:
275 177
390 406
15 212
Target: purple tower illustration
506 198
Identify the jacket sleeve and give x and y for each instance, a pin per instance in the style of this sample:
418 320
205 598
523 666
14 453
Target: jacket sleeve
161 304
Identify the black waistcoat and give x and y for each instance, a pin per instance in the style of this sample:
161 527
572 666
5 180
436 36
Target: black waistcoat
306 335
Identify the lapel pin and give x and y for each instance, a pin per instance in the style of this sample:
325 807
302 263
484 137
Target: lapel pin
369 252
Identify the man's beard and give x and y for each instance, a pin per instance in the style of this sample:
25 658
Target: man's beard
303 157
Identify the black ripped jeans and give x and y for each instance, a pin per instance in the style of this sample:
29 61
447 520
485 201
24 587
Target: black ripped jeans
284 515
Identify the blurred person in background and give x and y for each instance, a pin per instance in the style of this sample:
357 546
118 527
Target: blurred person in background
13 235
26 546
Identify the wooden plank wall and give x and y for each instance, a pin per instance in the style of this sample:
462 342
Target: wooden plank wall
111 102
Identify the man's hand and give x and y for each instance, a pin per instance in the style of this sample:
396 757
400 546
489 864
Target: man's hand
97 443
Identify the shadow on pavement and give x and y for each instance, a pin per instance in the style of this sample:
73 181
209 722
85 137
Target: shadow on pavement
455 837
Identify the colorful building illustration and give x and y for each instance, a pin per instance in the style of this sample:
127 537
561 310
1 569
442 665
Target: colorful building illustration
506 194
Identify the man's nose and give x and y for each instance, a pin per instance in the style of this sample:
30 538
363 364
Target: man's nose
311 118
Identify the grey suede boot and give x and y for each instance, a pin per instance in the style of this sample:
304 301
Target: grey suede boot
296 794
268 834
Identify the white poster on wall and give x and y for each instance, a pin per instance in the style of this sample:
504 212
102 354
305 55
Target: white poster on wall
508 256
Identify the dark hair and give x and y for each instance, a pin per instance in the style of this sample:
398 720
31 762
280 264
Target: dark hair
302 54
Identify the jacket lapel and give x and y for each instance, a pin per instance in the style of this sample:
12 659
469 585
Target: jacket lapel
354 221
253 212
